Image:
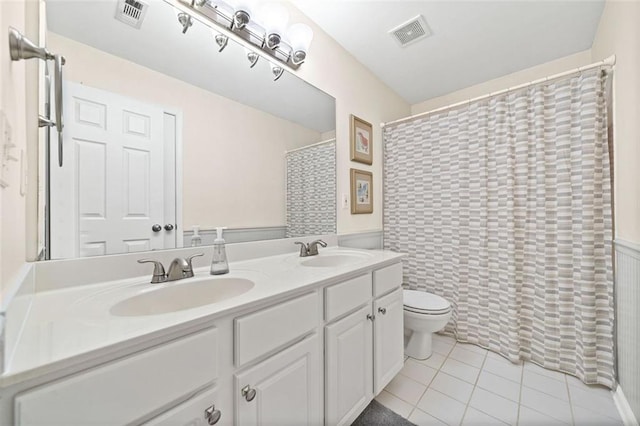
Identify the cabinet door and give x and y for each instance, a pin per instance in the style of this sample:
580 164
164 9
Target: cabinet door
349 369
284 389
388 338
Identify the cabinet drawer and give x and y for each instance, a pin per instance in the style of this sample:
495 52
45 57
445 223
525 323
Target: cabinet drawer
192 411
261 332
342 298
386 279
124 391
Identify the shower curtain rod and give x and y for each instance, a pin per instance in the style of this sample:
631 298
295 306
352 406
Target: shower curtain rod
313 144
608 62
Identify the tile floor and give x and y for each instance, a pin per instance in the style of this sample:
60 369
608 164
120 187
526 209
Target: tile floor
465 384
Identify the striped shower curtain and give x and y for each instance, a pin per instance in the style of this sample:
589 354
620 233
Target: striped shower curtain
311 190
504 208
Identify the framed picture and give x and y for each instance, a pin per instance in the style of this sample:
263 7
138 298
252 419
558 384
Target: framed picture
361 191
361 141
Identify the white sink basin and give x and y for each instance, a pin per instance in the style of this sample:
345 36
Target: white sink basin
333 260
181 295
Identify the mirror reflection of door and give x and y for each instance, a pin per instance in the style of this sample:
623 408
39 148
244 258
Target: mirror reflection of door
116 192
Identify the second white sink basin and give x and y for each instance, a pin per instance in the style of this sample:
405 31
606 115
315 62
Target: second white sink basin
332 260
181 295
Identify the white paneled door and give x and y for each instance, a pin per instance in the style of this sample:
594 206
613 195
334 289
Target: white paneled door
111 190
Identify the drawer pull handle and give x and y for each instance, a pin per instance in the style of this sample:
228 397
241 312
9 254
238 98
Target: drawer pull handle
371 317
212 415
382 310
248 393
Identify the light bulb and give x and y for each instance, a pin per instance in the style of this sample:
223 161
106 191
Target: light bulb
274 17
243 11
300 36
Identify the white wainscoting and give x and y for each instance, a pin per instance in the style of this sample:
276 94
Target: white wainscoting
238 235
370 240
628 321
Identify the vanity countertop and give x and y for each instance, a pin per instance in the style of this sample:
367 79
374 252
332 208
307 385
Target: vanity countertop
71 325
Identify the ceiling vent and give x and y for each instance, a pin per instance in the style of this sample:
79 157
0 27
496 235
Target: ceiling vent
411 31
131 12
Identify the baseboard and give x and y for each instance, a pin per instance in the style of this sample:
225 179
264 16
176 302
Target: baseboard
628 418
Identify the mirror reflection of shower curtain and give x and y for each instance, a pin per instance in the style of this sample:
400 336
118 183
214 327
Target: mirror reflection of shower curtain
504 208
311 190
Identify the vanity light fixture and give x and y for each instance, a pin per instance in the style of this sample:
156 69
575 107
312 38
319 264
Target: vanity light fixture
265 33
185 21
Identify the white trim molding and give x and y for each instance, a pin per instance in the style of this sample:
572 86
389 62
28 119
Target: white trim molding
626 413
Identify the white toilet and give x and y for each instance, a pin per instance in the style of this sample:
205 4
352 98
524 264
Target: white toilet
424 314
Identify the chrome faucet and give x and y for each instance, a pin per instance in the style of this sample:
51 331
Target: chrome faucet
180 268
310 249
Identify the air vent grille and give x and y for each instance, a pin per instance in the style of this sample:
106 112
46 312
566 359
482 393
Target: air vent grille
131 12
411 31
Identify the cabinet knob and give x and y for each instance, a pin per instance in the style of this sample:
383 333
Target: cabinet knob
371 317
382 310
156 227
168 227
248 393
212 415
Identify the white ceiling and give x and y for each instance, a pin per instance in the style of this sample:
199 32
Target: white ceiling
472 41
192 57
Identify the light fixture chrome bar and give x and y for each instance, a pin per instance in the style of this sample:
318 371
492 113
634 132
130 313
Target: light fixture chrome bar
209 15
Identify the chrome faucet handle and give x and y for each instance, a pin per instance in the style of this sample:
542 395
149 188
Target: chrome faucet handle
188 273
158 271
178 269
313 247
304 249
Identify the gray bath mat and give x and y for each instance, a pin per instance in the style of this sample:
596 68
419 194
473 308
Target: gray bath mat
377 414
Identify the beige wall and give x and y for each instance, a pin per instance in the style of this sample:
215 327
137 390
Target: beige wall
18 104
619 34
359 92
510 80
225 182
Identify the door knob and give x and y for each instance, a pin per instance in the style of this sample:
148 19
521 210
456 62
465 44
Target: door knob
212 415
248 393
156 227
382 310
168 227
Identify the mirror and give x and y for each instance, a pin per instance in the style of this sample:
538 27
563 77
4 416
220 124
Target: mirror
164 133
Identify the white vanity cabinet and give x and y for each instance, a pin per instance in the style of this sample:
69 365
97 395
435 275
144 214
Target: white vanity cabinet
364 350
318 356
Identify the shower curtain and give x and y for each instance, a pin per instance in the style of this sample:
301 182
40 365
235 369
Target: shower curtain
311 190
504 208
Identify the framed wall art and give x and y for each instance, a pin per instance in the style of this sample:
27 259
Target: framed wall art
361 141
361 191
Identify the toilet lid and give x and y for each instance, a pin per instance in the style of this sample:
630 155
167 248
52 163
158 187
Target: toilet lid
421 301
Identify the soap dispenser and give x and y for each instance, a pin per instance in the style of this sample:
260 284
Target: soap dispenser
196 240
219 264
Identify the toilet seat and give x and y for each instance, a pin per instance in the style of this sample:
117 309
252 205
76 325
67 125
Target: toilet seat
421 302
